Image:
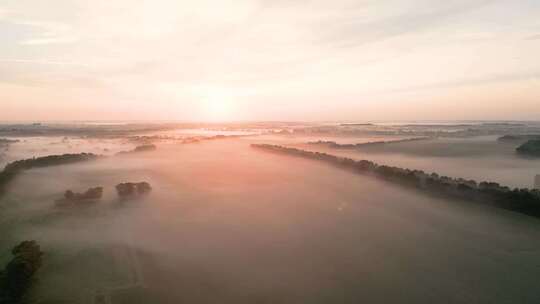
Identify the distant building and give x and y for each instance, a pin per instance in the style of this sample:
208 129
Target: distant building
537 181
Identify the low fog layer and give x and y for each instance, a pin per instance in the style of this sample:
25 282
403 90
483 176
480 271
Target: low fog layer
478 158
229 224
36 146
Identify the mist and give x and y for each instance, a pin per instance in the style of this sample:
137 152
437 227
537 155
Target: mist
230 224
269 152
478 158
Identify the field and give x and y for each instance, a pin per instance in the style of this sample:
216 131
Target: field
226 223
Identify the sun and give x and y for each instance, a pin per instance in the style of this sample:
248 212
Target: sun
218 108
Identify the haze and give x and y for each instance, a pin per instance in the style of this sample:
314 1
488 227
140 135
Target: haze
230 224
269 60
269 151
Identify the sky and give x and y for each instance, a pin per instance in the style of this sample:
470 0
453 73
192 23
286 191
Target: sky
207 60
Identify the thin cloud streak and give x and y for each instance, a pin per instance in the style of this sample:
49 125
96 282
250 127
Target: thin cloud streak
45 62
533 77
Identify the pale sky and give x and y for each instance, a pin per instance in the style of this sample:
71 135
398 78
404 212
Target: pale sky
269 59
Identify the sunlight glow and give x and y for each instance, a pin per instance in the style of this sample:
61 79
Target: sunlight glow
218 108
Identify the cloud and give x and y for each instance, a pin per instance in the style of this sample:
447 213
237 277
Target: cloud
50 40
48 32
354 29
533 37
285 51
45 62
472 81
